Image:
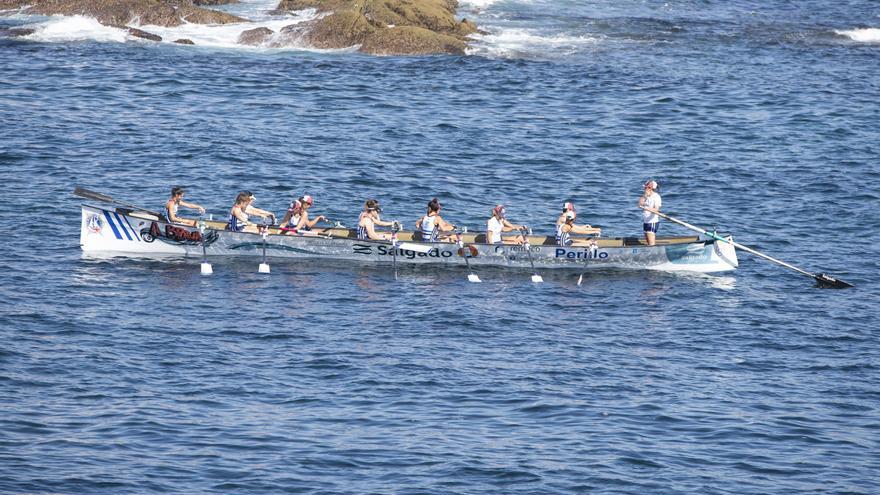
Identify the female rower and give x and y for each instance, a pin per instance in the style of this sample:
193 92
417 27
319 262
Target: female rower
238 215
369 218
297 216
177 200
498 224
565 226
650 202
432 223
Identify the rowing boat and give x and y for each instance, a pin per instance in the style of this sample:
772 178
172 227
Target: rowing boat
133 232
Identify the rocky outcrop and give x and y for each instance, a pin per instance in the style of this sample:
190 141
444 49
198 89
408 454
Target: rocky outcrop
184 41
255 37
383 27
122 12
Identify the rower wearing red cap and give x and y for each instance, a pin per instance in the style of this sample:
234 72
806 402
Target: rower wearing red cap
497 224
297 216
651 203
565 226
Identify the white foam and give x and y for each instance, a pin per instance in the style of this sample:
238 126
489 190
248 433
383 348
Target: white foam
75 28
225 35
526 42
476 4
866 35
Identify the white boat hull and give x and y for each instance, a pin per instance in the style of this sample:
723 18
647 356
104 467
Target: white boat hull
110 231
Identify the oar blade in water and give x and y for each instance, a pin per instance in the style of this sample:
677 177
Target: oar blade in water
537 278
472 277
830 282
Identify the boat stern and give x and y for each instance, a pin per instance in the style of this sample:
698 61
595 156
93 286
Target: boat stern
108 231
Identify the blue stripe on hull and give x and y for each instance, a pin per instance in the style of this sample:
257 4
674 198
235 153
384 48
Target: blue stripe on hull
112 225
122 226
132 229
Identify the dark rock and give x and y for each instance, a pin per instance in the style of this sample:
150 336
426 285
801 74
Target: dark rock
184 41
255 37
138 33
16 32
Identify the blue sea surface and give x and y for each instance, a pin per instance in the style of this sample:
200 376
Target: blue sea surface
124 375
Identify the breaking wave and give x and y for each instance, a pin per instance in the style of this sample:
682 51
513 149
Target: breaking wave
519 42
865 35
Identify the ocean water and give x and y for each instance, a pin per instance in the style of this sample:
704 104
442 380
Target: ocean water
141 376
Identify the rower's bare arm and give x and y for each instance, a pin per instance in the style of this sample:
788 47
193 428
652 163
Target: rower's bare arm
194 206
585 230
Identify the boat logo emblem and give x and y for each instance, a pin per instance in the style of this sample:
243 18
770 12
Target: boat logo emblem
362 249
94 224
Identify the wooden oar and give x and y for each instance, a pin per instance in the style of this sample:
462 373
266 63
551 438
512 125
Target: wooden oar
85 193
535 277
823 279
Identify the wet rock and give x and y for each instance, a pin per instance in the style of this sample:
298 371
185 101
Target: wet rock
184 41
411 40
383 27
121 12
138 33
255 37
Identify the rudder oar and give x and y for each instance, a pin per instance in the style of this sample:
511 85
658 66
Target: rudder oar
822 279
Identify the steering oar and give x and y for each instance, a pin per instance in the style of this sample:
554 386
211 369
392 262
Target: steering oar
823 279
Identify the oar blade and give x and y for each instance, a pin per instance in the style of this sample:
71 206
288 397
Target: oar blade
537 278
830 282
472 277
85 193
417 248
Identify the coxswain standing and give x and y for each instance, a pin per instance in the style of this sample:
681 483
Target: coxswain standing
432 223
367 221
497 224
650 202
239 214
176 201
565 226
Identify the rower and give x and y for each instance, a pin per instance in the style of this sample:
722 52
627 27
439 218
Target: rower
174 202
565 226
367 221
238 215
650 203
497 224
432 223
297 216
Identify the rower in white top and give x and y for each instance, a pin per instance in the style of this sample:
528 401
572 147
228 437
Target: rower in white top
650 204
497 224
